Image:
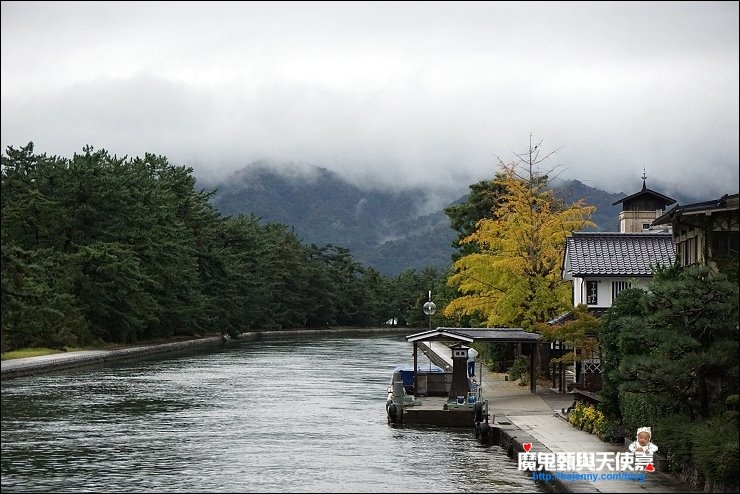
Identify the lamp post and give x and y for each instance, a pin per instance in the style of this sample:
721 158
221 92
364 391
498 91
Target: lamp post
429 309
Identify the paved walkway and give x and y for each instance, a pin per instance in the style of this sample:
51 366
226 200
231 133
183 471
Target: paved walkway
537 415
539 418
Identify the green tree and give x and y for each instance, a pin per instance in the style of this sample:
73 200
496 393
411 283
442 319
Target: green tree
623 321
114 292
672 349
579 332
378 304
464 217
36 301
690 342
97 247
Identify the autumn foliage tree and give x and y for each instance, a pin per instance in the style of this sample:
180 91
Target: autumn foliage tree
514 278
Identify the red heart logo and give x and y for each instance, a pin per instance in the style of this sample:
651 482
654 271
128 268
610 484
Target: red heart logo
649 468
527 447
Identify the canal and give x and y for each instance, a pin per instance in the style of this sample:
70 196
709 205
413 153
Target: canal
280 414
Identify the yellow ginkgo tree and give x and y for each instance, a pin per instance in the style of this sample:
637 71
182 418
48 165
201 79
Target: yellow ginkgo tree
514 278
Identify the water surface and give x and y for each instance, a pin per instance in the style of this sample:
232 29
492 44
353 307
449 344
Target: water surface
287 414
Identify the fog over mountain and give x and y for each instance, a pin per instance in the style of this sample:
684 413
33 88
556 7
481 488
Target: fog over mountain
389 229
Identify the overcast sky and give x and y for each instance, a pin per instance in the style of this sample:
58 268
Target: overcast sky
385 93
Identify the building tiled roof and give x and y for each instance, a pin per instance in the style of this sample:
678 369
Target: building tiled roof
569 316
618 254
648 193
724 203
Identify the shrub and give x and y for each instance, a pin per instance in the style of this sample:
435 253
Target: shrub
588 418
715 448
575 417
673 435
519 368
609 430
638 410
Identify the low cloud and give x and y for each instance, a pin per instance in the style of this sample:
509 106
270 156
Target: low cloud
384 101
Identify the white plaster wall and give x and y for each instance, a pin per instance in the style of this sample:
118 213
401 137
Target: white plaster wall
604 289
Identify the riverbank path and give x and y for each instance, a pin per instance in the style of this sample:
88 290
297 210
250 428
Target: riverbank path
540 416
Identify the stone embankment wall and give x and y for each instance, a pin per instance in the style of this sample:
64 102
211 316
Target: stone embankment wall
60 361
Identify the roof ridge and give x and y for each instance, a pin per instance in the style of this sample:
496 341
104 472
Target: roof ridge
623 234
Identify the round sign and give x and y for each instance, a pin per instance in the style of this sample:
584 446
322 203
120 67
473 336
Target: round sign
429 308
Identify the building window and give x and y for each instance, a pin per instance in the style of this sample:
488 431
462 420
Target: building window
688 251
725 244
679 251
619 286
592 293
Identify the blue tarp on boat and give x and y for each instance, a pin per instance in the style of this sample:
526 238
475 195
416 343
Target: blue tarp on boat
407 372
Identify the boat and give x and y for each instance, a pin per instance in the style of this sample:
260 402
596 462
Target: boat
450 398
436 396
403 393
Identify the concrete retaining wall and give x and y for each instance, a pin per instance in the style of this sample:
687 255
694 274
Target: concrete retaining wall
60 361
512 439
49 363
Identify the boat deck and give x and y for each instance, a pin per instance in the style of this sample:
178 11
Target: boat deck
431 411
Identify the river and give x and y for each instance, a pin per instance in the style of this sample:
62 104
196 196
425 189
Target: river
280 414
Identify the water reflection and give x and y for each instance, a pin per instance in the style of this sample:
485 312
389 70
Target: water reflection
293 414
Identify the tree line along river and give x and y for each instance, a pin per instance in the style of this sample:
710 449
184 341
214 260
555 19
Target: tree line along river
280 414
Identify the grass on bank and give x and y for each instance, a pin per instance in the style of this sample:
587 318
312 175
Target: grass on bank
40 351
34 352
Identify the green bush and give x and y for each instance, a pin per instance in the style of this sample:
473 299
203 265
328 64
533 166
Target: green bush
638 410
609 429
673 434
575 417
588 418
520 368
715 448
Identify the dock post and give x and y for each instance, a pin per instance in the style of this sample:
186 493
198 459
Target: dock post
416 368
480 379
532 370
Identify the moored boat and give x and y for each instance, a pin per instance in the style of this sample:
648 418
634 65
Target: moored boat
417 396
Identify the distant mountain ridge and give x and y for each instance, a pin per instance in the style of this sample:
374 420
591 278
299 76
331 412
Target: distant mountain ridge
382 228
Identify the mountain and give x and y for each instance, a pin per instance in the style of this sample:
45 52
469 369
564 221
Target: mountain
606 216
385 229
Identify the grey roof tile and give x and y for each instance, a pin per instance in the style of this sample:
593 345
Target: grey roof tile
618 254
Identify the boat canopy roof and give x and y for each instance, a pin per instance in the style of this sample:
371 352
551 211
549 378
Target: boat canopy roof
469 335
